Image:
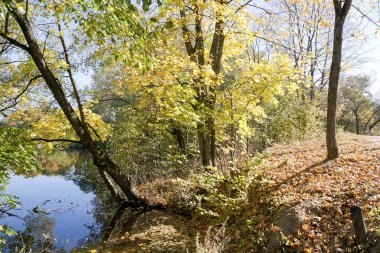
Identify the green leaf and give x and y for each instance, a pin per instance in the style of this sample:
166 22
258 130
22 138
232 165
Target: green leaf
169 24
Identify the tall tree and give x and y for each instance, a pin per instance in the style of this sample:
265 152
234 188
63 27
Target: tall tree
115 178
356 99
205 92
341 10
306 29
206 50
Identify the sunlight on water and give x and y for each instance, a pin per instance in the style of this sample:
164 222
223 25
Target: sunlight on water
66 208
59 199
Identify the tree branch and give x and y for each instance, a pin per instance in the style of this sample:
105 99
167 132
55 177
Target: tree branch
6 25
186 36
19 95
55 140
337 6
242 6
11 214
260 8
27 87
366 16
374 123
15 42
69 71
346 7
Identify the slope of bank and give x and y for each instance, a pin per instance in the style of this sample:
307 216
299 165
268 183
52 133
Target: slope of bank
316 196
293 201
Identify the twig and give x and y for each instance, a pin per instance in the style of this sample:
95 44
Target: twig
11 214
366 16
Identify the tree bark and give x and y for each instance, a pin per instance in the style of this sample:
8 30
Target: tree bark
373 125
359 225
100 157
367 123
357 122
206 95
340 16
178 133
216 54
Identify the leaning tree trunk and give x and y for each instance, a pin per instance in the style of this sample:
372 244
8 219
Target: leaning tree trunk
340 16
100 157
367 123
373 125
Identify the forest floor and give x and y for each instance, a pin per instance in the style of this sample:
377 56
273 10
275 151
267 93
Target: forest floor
297 192
326 190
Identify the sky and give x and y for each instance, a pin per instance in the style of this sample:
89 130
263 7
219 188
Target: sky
371 66
368 52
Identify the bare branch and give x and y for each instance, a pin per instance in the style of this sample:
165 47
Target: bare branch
55 140
6 23
98 136
346 7
260 8
12 214
242 6
20 94
27 86
366 16
69 71
26 8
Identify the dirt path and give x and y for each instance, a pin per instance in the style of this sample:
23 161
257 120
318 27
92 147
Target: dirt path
374 138
301 175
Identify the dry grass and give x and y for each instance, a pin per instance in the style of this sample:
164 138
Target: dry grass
214 241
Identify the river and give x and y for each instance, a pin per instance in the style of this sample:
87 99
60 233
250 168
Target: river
65 208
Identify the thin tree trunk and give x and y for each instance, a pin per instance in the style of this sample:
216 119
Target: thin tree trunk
367 123
115 190
178 133
340 16
357 122
373 125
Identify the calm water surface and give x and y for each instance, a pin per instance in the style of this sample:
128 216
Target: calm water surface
67 209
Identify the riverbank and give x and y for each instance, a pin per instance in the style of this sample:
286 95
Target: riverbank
295 200
287 198
321 193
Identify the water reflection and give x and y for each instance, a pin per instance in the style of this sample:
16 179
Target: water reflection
67 208
152 231
37 236
52 196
